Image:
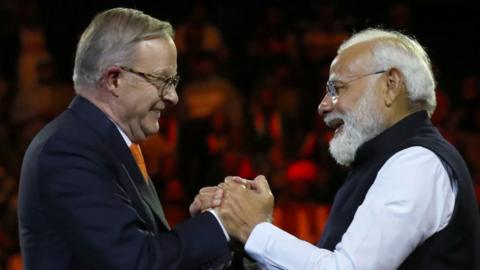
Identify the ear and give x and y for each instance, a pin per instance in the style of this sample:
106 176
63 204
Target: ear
394 86
110 79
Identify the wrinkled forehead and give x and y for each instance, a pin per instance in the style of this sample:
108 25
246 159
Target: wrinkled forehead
355 60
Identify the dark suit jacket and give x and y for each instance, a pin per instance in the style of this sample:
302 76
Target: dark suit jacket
83 204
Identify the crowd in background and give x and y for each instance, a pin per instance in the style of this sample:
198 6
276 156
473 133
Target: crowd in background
252 76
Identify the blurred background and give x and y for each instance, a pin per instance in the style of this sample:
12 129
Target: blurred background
253 73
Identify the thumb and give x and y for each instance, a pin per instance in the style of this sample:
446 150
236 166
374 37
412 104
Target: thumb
260 184
195 207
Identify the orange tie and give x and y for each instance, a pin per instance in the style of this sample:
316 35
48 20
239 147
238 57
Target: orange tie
137 155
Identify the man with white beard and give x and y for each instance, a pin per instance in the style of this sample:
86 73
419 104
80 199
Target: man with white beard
361 123
408 201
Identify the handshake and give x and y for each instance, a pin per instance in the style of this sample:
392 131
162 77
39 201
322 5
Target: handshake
239 203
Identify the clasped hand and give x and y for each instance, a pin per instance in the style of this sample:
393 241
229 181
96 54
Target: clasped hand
241 204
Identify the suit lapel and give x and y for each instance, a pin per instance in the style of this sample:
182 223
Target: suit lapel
119 147
134 177
151 197
143 196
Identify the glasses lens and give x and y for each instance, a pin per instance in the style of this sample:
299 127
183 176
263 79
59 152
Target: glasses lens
331 89
170 82
175 81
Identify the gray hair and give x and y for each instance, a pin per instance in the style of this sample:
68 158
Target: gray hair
392 49
110 40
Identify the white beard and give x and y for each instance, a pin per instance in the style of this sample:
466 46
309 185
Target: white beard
360 124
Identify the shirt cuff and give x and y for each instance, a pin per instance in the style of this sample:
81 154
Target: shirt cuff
271 246
220 222
258 240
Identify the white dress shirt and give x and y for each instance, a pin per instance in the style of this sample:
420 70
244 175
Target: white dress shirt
411 199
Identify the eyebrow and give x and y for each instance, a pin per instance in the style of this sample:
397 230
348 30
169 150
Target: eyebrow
164 72
342 79
163 75
335 77
337 80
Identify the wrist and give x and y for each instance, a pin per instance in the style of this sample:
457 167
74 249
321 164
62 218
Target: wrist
246 232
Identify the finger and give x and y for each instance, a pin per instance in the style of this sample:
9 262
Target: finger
261 184
235 179
218 194
250 184
206 201
239 180
245 183
195 207
232 186
228 185
228 179
208 190
217 198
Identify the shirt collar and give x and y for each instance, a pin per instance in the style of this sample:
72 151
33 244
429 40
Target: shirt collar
124 136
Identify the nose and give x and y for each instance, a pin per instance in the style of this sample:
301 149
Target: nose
171 95
326 105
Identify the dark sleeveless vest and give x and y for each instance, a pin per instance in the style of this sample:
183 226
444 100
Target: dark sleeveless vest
457 246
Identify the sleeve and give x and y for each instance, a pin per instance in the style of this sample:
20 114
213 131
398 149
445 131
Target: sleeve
96 218
411 199
221 224
277 249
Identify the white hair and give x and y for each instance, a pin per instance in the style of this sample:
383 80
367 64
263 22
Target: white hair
392 49
110 39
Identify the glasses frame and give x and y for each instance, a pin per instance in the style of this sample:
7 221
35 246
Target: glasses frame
332 90
161 83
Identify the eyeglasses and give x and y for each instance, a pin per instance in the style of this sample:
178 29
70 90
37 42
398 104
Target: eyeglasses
161 83
332 89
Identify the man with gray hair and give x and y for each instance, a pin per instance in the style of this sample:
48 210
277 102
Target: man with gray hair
85 198
408 201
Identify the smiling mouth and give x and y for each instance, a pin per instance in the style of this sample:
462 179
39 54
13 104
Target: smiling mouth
336 124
